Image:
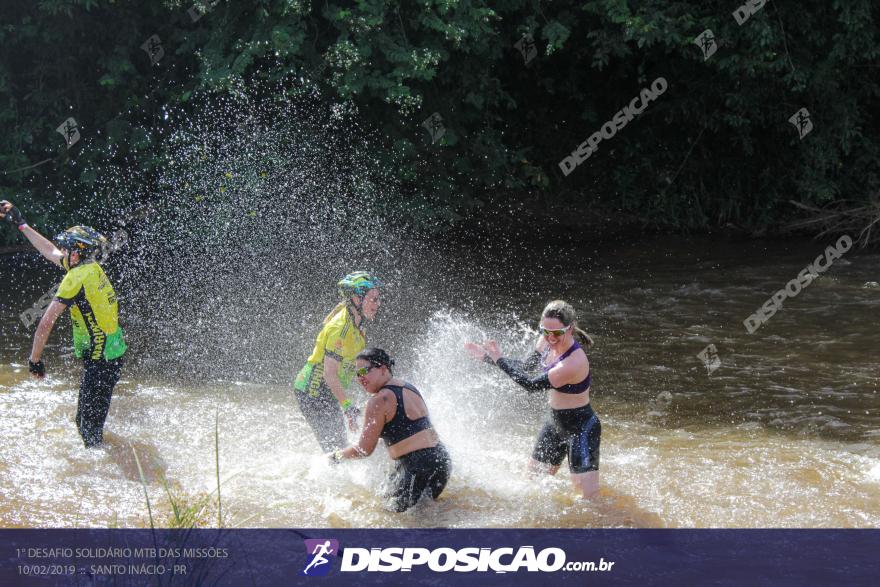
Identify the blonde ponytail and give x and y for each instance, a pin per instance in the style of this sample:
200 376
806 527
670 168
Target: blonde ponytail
582 337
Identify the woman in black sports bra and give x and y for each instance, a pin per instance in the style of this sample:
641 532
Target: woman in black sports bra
397 413
572 430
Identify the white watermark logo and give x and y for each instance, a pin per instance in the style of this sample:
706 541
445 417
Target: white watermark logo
153 48
748 10
526 46
636 106
69 129
709 356
199 10
36 311
802 122
804 278
706 42
434 125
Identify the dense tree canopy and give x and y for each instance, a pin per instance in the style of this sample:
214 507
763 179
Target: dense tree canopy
516 86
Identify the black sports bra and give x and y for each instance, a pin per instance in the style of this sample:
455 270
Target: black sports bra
401 427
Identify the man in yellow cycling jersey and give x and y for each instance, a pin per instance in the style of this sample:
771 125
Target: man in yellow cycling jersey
322 383
94 311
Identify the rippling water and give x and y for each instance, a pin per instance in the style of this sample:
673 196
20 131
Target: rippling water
785 433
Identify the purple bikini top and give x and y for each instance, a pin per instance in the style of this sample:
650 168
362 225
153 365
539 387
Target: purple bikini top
569 387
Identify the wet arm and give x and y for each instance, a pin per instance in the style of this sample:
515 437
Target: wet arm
527 364
331 378
515 371
374 422
42 244
47 323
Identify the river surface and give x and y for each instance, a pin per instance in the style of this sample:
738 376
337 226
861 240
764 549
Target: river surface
784 433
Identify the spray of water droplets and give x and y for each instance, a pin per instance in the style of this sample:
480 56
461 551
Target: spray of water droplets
238 239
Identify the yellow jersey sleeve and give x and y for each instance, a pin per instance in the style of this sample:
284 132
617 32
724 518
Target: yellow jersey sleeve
70 287
334 341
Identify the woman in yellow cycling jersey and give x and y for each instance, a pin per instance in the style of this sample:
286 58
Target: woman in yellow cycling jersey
94 311
321 384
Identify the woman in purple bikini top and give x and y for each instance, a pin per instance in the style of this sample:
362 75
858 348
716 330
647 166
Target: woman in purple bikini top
573 430
569 387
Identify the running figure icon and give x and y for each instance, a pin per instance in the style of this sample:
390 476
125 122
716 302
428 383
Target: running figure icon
321 549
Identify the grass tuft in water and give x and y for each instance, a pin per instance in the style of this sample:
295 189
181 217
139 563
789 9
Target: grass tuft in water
189 510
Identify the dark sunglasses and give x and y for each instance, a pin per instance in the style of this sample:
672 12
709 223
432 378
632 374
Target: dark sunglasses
362 372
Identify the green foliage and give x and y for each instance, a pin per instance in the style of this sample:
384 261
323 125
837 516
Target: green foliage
716 148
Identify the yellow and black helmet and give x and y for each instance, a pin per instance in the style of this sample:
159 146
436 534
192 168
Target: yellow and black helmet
83 239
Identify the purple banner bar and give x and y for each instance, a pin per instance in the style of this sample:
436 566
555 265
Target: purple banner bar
777 558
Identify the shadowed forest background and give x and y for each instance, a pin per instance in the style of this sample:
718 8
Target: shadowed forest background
716 150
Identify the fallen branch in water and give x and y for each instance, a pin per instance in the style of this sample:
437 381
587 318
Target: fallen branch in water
838 219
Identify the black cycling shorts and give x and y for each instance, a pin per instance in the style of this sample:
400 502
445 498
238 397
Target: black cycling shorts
423 470
574 433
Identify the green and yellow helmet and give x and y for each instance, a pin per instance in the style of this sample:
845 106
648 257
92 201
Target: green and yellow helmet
357 284
83 239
